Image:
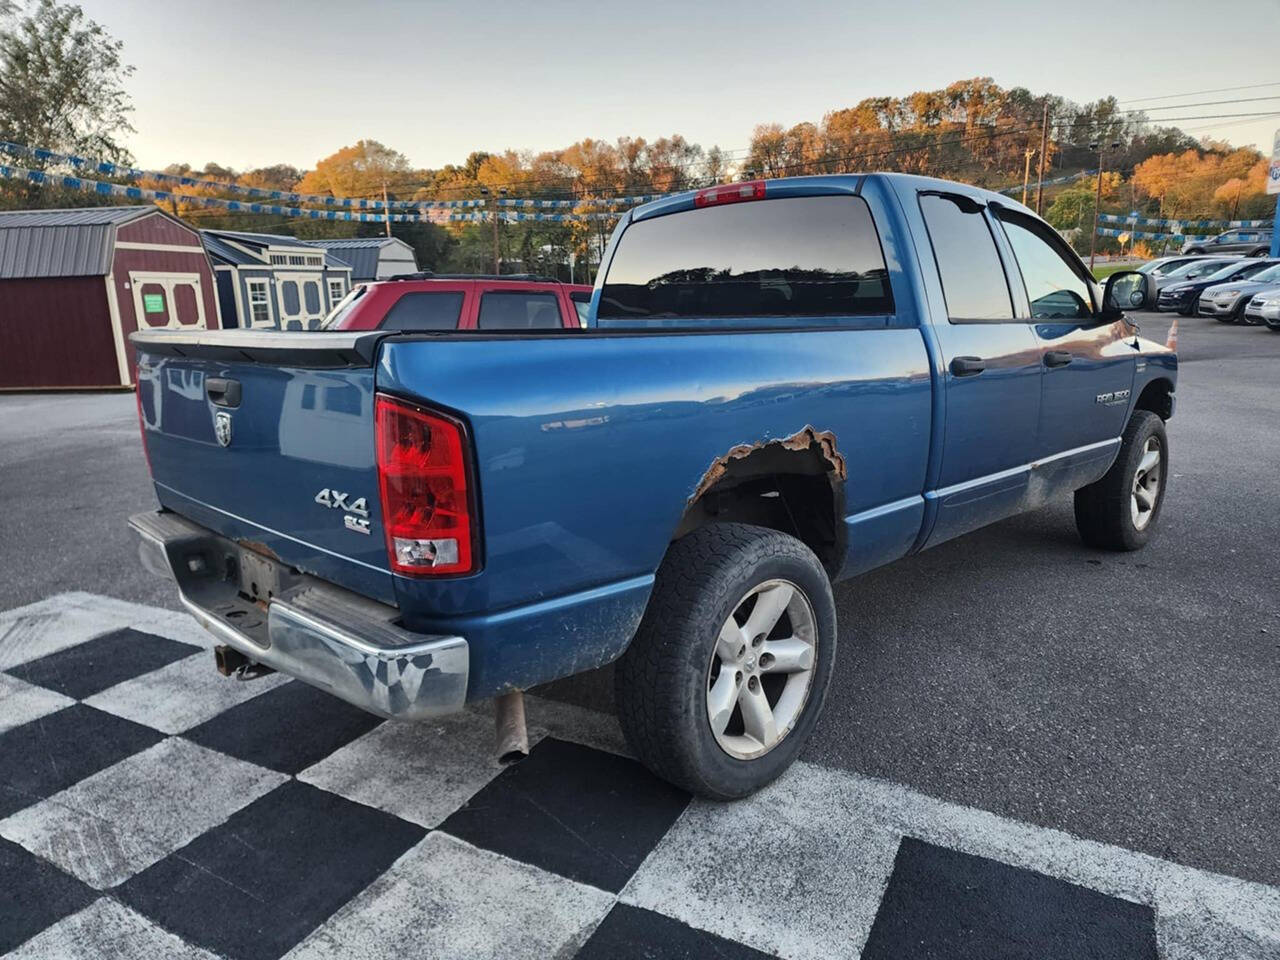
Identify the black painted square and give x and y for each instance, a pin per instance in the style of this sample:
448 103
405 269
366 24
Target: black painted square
630 933
50 754
34 894
93 666
582 813
255 886
287 729
953 906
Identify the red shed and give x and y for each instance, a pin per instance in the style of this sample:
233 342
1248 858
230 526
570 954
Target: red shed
75 283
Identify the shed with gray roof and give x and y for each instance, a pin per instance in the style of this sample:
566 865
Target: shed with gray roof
372 258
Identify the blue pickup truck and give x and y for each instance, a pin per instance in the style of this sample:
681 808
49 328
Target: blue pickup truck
782 384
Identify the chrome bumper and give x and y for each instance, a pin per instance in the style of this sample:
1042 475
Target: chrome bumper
304 627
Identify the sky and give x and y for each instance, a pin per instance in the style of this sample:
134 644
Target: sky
249 84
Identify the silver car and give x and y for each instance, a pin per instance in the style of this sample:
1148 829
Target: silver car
1193 269
1229 301
1264 307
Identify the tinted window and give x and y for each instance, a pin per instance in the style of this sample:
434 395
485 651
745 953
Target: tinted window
796 256
972 279
519 311
424 311
1054 289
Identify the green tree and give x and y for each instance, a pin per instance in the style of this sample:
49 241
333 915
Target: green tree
62 81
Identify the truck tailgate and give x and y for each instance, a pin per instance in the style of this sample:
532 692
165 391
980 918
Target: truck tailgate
268 439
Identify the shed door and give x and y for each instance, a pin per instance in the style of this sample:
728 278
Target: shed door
172 300
301 300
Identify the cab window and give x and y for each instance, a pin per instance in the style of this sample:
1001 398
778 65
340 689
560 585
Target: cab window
1055 289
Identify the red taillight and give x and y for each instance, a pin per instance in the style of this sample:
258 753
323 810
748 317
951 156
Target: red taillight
729 193
142 419
423 478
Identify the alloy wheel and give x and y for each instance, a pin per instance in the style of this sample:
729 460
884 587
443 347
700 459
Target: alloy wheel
1145 492
761 669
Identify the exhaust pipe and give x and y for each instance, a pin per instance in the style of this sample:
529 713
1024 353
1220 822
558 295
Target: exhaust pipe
232 663
512 734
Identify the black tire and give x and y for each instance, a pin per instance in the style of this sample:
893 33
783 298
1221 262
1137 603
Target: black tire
661 682
1193 252
1272 325
1261 252
1104 512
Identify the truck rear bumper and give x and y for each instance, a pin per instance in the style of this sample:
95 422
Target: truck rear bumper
303 626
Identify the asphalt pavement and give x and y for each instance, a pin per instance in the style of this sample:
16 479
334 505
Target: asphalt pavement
1125 698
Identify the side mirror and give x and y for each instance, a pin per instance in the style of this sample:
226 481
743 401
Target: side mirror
1125 290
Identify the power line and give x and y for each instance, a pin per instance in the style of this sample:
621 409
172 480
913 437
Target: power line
1199 93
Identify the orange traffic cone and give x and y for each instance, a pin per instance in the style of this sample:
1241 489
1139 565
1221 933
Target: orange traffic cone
1172 342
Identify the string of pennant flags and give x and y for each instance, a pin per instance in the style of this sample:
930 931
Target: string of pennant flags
103 188
439 211
107 168
1179 224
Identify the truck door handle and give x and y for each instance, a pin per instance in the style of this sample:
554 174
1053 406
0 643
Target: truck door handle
1057 358
222 391
967 366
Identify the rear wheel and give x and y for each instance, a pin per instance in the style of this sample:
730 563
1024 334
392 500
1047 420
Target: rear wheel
725 678
1120 511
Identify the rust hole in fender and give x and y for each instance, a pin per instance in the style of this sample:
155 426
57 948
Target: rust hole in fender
821 442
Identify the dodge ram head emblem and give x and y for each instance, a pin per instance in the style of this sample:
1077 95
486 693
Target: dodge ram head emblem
222 428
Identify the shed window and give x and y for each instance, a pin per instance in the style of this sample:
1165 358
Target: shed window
259 303
336 292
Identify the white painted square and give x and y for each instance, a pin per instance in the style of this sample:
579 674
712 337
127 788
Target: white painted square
22 702
64 620
448 900
420 772
106 928
795 870
180 695
121 820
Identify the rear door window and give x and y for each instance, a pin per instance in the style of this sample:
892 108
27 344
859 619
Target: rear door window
519 311
424 311
973 280
787 257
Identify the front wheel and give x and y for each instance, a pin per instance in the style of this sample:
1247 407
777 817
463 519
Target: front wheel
725 678
1120 511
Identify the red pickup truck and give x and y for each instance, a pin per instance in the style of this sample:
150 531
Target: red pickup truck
427 301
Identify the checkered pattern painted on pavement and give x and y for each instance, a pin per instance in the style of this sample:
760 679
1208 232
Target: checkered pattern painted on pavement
149 807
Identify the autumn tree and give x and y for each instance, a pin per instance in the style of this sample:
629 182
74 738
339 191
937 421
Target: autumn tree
361 170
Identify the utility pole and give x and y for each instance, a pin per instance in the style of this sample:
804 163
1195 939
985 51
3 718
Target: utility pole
386 208
1044 148
1097 200
1026 172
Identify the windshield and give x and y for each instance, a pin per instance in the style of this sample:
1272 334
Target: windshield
1235 271
340 310
1269 275
1198 268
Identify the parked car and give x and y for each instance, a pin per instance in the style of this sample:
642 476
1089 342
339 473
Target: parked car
785 383
1182 293
428 301
1227 301
1161 266
1265 308
1193 268
1249 243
